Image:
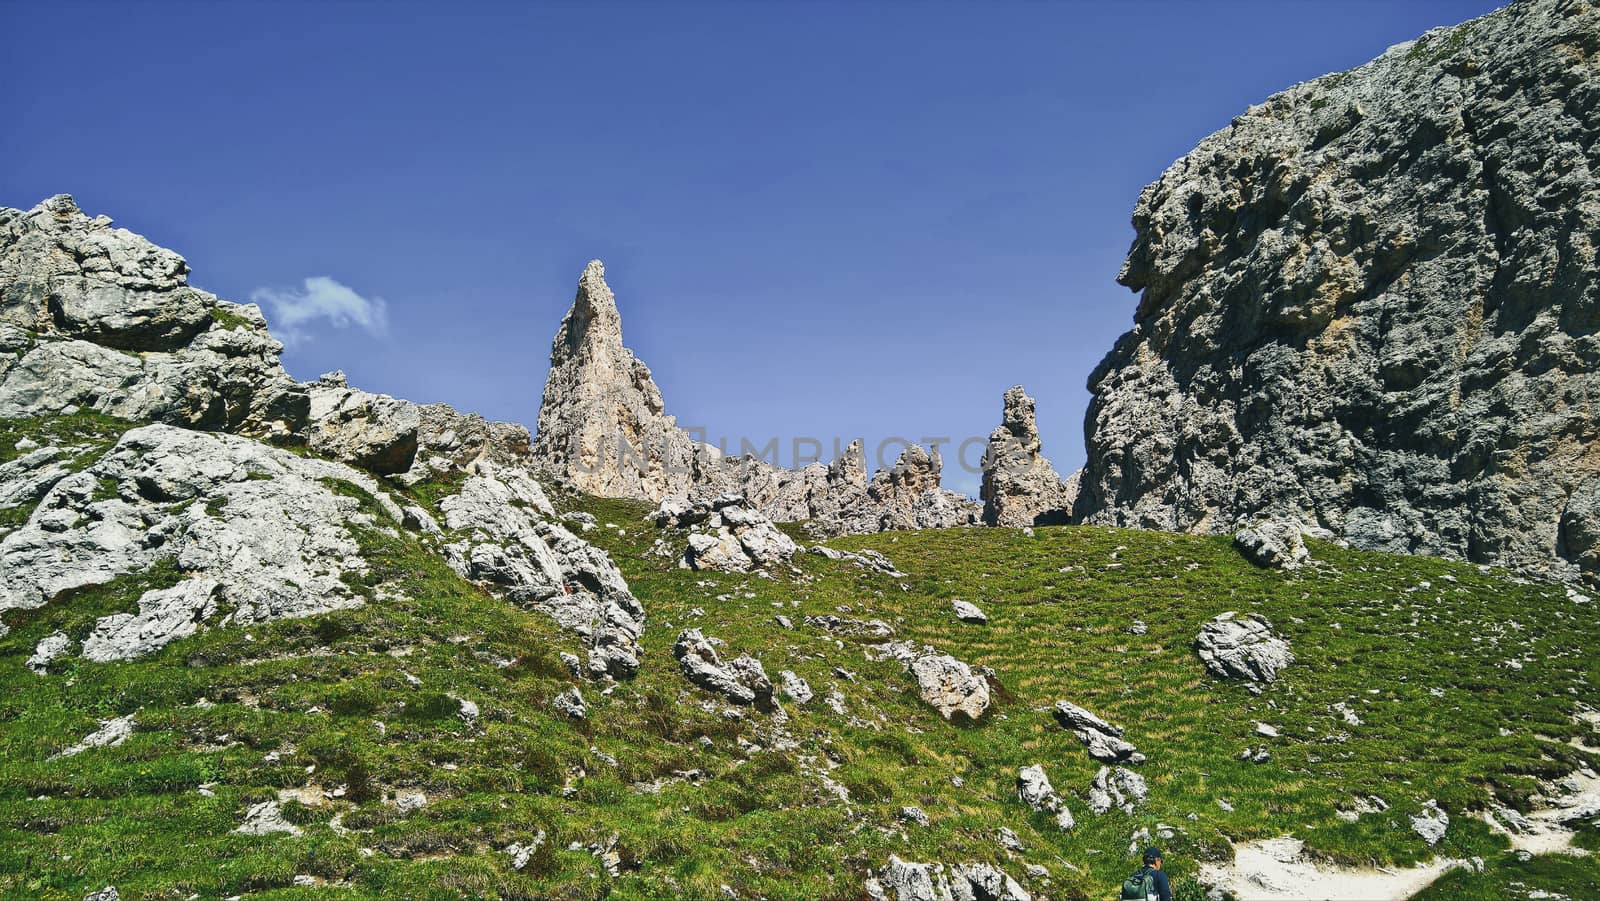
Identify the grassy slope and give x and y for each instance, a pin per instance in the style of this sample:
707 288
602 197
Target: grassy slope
296 703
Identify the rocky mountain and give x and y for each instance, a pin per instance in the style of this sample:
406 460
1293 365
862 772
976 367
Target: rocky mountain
603 430
1370 304
1020 487
99 326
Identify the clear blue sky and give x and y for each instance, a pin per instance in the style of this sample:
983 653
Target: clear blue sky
819 219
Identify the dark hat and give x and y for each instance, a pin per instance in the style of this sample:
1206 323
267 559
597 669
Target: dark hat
1151 855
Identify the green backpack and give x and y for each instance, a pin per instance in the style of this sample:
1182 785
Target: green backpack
1140 886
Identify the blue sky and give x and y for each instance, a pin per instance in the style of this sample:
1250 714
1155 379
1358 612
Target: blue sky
820 219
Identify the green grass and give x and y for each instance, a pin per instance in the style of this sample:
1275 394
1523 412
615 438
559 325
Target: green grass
695 799
225 318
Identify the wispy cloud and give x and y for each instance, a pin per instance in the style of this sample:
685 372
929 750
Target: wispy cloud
291 311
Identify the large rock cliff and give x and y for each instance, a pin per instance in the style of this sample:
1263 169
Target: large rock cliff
1370 304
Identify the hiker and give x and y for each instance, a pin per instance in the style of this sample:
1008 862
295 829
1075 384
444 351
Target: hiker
1149 884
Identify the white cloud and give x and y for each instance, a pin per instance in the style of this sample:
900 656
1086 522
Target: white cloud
290 311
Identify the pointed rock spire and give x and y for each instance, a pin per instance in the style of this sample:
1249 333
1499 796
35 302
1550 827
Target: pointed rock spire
602 428
1020 487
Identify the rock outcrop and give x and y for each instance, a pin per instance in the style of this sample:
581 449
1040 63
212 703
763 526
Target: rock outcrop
1103 741
737 538
97 318
1275 544
260 528
1020 487
741 680
1243 647
1116 787
1370 304
950 686
603 429
900 880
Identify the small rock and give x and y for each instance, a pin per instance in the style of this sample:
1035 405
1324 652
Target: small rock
264 819
570 703
968 612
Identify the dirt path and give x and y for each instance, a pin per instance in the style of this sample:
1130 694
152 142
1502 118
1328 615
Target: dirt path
1275 870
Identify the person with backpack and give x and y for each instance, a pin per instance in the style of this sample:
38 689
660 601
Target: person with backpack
1149 884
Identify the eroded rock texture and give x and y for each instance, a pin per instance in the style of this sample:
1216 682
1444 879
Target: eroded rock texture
603 429
98 318
1370 305
1020 487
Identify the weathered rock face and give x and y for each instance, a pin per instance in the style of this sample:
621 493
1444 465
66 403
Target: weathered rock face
603 429
900 880
256 527
1371 304
1020 487
373 431
98 318
602 426
739 539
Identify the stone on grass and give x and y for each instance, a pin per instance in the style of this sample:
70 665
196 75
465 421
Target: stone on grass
1243 647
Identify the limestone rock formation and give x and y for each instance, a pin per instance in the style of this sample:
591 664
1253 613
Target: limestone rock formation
261 527
739 539
741 680
603 429
97 318
1274 543
1243 647
1370 304
903 881
373 431
1035 790
1103 740
1020 487
506 539
950 686
602 426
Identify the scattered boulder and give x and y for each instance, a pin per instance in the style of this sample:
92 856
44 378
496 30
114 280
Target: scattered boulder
950 686
869 560
1035 790
1020 488
1431 823
570 703
111 733
913 814
50 647
903 881
264 819
1275 544
1103 740
109 893
742 538
1116 787
1243 647
968 612
795 688
373 431
741 680
840 625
